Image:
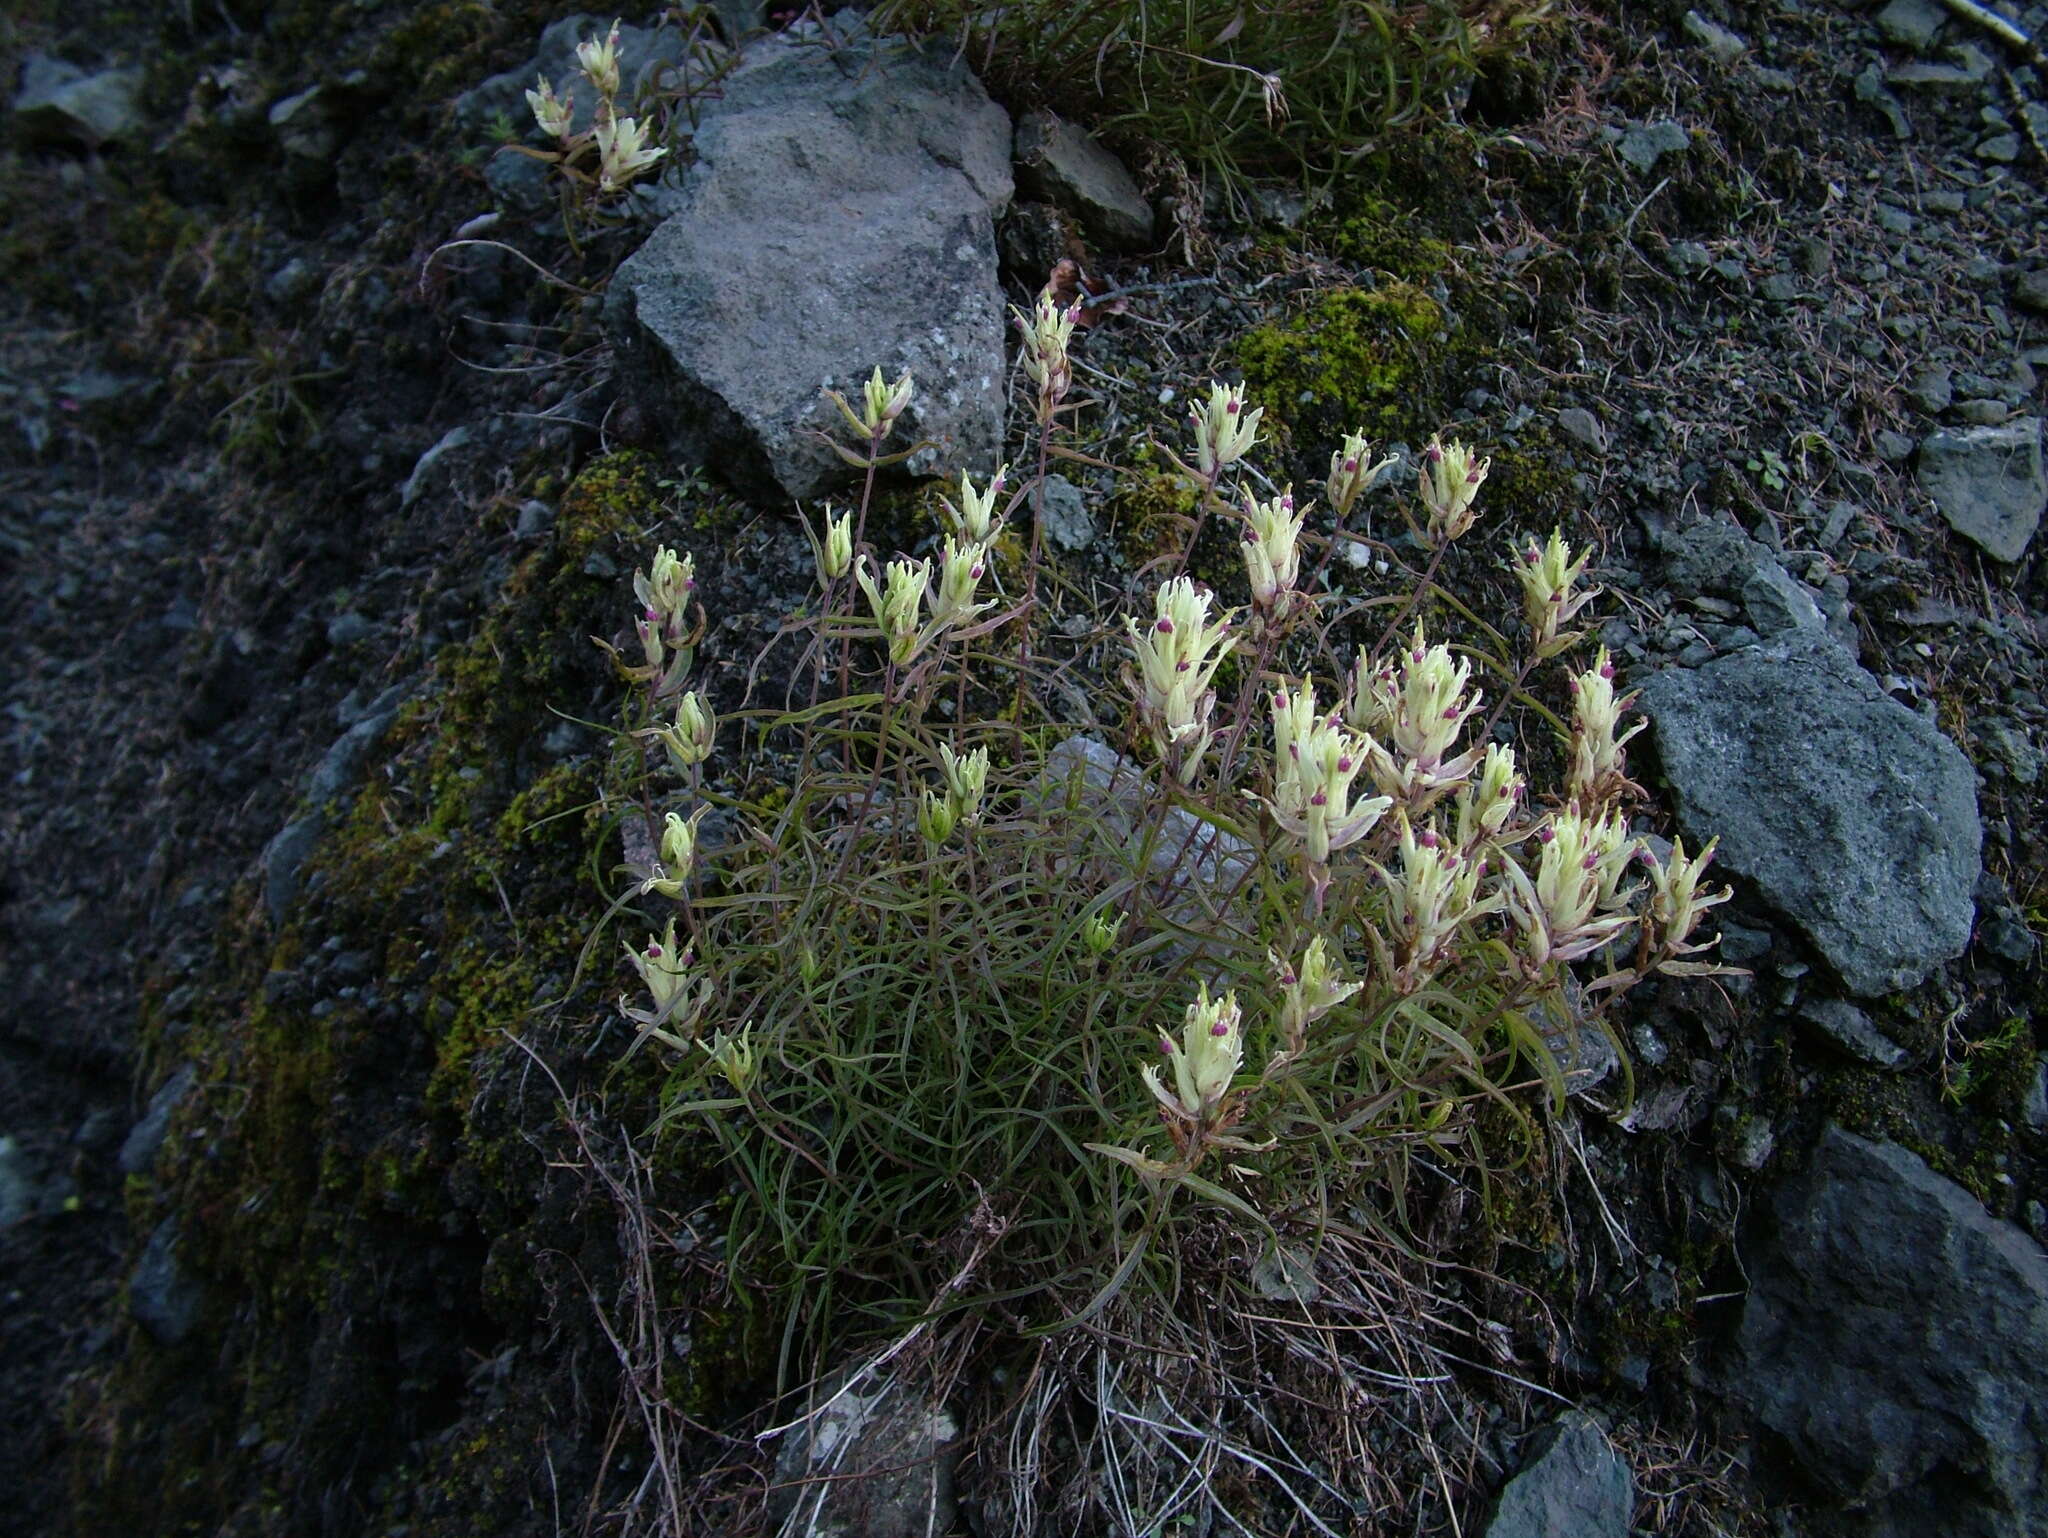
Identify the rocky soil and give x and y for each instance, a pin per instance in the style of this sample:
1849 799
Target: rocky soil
326 449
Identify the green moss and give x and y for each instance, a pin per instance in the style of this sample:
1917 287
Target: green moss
1356 358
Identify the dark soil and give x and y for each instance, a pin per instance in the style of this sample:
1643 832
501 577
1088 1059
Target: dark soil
220 369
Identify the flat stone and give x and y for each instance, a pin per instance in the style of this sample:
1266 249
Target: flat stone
1714 560
2030 290
1580 425
1572 1484
59 103
164 1299
1911 23
1721 45
1850 1029
1853 816
1061 164
839 217
1644 144
874 1460
146 1139
1988 483
1935 79
1895 1343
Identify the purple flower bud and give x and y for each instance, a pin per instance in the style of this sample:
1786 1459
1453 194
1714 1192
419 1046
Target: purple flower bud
1606 670
1434 454
1230 407
1219 1029
1545 834
1428 839
1451 714
1344 763
1165 625
1182 666
1591 862
1318 799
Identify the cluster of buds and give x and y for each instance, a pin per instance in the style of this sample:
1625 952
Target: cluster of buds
676 856
667 637
1488 799
961 567
974 517
1272 552
1434 896
1449 481
1599 770
1204 1061
691 736
733 1057
1315 760
1576 902
959 806
1419 708
1676 906
833 553
898 598
1099 934
679 994
1046 333
881 403
622 143
1548 575
1353 473
1177 654
1225 430
1309 989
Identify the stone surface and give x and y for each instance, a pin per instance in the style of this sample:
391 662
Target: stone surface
1068 523
1571 1484
1721 45
59 103
1988 483
839 217
1576 422
1911 23
163 1298
1851 1029
1717 560
146 1139
1853 816
1895 1339
2030 290
1061 164
875 1460
1643 145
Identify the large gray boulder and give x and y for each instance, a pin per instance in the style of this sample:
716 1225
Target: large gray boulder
1895 1339
61 103
839 216
1988 483
1853 816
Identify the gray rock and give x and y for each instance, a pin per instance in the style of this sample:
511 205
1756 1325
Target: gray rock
1721 45
1717 560
1644 144
164 1299
2030 290
293 283
1936 79
2011 745
1580 425
422 476
17 1186
2000 149
643 52
1894 1340
282 859
342 763
1779 288
1068 523
59 103
146 1139
304 126
2035 1107
839 217
1988 483
1854 817
875 1460
1572 1484
519 182
1982 413
1893 448
1061 164
1911 23
1851 1029
1932 388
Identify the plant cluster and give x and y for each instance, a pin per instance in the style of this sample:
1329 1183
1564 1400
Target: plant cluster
1246 90
1001 1017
